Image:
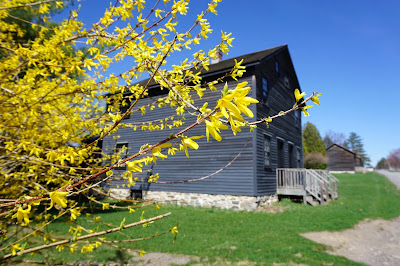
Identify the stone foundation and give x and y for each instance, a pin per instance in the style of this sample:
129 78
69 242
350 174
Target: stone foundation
208 200
342 172
120 193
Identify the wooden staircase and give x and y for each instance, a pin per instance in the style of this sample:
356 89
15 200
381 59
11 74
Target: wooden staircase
315 186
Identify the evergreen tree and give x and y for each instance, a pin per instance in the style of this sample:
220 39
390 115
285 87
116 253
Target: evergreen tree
355 144
382 164
312 141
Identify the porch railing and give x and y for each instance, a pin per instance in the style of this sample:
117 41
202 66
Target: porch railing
319 184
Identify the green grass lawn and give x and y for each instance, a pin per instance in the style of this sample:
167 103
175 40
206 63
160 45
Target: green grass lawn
266 238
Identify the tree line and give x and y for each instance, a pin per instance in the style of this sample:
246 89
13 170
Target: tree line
314 146
391 162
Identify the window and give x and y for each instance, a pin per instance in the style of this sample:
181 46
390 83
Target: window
277 67
298 157
297 118
264 89
286 81
121 150
291 155
281 153
267 151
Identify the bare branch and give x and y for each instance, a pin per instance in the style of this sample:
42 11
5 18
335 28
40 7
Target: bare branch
63 242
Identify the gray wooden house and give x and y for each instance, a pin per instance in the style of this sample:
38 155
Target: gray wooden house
342 159
271 75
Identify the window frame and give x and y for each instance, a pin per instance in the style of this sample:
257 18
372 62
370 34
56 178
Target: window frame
277 67
286 81
291 154
297 116
267 151
122 156
298 156
264 89
280 152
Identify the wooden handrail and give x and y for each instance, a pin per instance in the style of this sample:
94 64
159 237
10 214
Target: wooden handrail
318 183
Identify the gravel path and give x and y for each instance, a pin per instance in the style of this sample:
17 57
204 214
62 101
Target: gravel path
374 242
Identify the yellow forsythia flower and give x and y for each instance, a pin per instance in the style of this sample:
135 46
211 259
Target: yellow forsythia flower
174 230
214 127
304 109
75 213
72 248
142 252
133 167
22 214
188 142
298 95
58 198
14 248
156 152
315 98
106 206
88 248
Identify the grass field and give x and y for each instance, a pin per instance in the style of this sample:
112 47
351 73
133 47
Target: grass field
266 238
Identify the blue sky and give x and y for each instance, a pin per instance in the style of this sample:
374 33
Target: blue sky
347 50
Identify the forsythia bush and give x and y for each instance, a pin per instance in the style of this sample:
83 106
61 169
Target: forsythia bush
53 88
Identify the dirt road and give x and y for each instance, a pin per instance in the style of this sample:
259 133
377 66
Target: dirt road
374 242
393 176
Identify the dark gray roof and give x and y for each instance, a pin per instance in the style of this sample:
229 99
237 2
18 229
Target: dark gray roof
343 148
227 64
247 59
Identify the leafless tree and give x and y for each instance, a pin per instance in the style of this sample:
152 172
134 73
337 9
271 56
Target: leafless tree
332 137
393 159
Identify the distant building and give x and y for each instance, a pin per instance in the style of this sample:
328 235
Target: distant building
342 159
272 78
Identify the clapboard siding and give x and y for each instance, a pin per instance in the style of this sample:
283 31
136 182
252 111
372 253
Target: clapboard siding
236 179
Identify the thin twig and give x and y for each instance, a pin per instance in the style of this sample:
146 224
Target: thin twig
63 242
28 5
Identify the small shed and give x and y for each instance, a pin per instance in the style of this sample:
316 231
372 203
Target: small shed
342 159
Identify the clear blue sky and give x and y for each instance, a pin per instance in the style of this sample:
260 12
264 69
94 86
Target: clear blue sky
347 50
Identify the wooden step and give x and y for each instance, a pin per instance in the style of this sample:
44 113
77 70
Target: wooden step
311 200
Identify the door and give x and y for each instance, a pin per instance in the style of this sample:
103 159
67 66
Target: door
291 157
281 154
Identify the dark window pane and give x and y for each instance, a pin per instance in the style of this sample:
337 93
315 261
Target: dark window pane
264 90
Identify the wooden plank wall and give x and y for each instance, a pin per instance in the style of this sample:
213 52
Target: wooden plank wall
237 179
340 159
